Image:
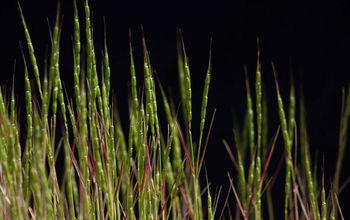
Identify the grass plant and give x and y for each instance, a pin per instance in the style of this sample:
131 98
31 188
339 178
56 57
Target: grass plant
146 171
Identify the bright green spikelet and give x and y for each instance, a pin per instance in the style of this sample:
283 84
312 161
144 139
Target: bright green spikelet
188 104
250 117
94 91
291 114
288 146
209 202
242 181
258 90
251 136
155 108
188 88
54 62
46 97
185 81
106 86
181 70
16 145
282 117
176 148
148 89
134 98
28 97
133 80
54 76
52 84
76 53
105 134
107 69
204 104
29 113
31 50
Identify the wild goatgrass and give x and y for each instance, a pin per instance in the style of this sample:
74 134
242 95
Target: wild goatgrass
148 171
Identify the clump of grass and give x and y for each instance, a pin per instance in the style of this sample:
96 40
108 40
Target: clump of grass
304 198
148 172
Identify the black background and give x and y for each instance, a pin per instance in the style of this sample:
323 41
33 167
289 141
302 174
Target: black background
311 39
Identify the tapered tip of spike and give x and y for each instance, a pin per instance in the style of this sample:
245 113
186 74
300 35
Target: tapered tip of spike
210 51
19 6
145 50
129 35
273 68
275 74
130 44
143 36
245 68
181 44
